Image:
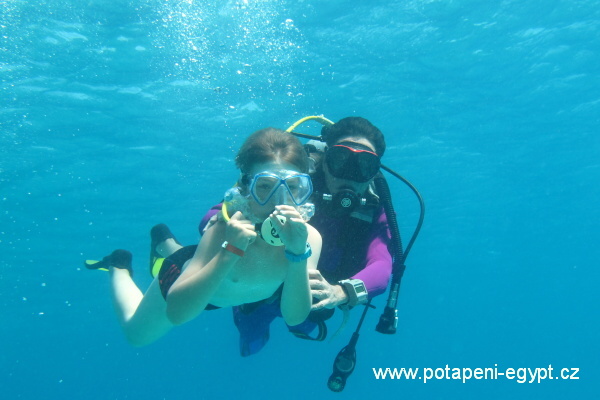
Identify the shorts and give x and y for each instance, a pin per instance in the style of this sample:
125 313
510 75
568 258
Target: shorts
171 270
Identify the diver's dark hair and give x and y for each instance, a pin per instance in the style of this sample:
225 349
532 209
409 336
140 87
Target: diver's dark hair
354 127
269 145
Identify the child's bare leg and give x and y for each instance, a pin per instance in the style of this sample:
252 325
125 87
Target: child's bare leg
142 316
168 247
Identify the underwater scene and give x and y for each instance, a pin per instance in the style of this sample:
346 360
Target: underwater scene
119 115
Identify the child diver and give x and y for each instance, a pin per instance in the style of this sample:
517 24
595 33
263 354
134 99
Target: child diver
233 264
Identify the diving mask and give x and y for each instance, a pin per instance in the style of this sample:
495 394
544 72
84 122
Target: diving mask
285 187
352 161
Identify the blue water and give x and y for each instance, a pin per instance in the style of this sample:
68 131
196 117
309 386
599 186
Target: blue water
117 115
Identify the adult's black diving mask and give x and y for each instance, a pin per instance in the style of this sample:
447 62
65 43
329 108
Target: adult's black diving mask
352 161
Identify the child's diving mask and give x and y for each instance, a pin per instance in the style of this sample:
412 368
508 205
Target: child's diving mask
284 187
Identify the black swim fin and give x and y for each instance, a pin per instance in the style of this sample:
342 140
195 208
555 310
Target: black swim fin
117 259
159 233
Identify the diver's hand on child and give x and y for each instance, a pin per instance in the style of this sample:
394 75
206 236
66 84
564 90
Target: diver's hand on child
293 232
240 232
329 296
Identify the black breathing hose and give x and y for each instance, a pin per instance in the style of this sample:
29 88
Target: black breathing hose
388 321
345 361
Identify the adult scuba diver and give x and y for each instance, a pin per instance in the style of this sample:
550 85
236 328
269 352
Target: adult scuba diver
361 248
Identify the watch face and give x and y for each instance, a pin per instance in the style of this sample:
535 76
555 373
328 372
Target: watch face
356 291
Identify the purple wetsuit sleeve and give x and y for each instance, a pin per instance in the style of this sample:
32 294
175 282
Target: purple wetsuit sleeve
212 212
378 270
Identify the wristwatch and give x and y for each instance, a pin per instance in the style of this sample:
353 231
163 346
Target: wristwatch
356 291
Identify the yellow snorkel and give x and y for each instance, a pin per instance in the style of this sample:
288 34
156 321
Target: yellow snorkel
232 196
318 118
224 212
